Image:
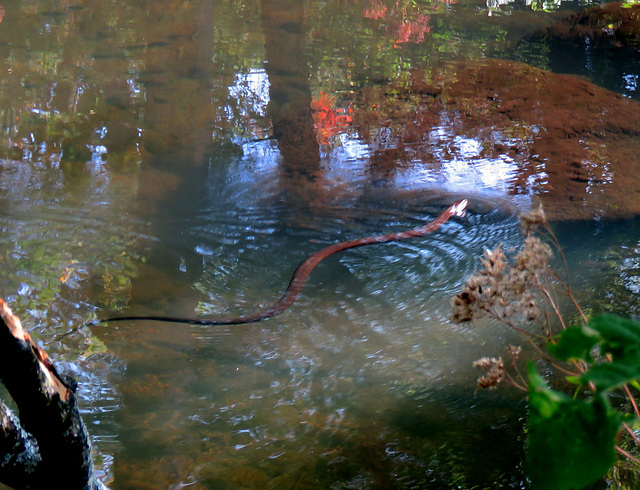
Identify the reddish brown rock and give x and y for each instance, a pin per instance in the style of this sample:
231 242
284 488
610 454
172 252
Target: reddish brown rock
575 146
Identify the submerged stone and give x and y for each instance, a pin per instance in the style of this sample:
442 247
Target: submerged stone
569 144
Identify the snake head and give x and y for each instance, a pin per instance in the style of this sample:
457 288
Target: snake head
459 208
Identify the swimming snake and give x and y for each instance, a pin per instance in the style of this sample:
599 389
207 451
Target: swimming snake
301 274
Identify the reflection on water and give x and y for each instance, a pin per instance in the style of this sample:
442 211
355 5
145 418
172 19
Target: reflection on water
184 157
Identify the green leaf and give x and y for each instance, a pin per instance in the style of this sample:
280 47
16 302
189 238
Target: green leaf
574 380
618 334
620 337
570 443
609 375
575 343
547 400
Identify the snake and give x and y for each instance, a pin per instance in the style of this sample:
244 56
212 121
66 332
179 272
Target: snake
302 272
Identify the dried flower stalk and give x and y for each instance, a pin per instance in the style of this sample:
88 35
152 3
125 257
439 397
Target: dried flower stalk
511 292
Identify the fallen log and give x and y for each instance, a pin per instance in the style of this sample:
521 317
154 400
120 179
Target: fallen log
47 444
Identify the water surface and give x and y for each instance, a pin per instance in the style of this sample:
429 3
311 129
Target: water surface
182 158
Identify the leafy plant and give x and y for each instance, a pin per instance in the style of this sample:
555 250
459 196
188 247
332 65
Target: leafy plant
571 440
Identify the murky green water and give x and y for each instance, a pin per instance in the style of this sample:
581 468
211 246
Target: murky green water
161 158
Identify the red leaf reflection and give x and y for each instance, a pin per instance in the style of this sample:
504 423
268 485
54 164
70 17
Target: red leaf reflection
329 120
405 21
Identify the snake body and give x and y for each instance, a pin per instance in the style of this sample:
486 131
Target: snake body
303 271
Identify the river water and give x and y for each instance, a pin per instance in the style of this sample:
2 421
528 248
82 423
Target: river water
162 159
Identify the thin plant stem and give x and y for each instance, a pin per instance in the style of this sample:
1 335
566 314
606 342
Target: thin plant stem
509 323
554 306
529 336
514 365
631 433
632 400
546 357
567 282
625 453
569 294
515 383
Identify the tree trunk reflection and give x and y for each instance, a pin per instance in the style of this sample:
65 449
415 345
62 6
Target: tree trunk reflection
284 27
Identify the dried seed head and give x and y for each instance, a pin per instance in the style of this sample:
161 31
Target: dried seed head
533 220
514 352
503 290
462 309
483 363
529 307
534 256
494 261
495 373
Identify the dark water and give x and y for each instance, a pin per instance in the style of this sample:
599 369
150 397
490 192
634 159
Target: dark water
161 158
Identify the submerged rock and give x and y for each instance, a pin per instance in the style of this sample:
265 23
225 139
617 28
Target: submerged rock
565 142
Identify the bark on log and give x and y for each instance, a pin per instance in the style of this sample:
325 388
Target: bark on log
48 445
